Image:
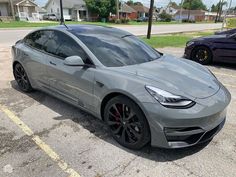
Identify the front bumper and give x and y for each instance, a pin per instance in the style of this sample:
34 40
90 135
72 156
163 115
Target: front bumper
187 52
177 128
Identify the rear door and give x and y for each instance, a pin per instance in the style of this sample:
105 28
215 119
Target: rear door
75 83
35 59
226 49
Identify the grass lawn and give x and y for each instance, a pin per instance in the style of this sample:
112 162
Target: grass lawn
19 24
175 40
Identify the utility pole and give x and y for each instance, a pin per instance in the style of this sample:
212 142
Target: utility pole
62 16
150 19
181 11
117 9
226 12
218 11
12 10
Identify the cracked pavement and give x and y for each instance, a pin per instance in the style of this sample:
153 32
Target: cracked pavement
85 144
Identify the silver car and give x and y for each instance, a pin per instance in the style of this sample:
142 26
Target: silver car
142 95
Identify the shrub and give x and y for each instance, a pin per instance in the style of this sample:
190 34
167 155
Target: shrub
125 21
165 17
231 22
117 21
188 21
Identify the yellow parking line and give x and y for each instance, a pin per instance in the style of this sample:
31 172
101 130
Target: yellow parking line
46 148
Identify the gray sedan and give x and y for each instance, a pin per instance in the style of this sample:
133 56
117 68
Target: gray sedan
143 95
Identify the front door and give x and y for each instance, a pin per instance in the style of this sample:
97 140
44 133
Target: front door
226 49
75 83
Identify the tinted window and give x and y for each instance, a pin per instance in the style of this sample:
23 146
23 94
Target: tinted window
38 39
67 46
113 51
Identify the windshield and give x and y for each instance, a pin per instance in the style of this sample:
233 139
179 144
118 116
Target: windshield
114 51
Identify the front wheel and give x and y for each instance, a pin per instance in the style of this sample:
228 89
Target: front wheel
127 123
202 55
22 78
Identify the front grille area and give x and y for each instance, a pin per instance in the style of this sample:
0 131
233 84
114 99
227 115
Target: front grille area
183 137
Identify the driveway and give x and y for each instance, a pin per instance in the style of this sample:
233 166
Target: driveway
10 36
43 136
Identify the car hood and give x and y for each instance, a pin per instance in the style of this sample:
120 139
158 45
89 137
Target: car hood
178 76
212 37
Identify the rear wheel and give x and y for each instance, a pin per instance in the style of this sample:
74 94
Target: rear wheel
127 123
202 55
22 78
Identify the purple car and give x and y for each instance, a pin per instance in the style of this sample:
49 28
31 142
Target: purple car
208 49
229 32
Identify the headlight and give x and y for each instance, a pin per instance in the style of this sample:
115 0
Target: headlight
168 99
189 43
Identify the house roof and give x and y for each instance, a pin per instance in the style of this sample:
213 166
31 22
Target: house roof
140 8
192 12
7 1
16 2
126 9
70 3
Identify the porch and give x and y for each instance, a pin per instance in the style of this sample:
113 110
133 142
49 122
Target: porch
80 13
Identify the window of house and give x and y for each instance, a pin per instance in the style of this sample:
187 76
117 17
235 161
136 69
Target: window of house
70 11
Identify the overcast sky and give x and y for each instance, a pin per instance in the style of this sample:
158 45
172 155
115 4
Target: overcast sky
158 3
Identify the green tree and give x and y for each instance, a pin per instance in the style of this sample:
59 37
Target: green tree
173 4
102 7
214 8
130 2
219 10
194 5
165 17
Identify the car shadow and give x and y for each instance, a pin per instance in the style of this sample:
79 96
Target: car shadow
98 128
224 65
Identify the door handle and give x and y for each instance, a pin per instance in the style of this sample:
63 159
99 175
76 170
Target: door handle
26 55
53 63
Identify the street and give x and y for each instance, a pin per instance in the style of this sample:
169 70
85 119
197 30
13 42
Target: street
43 136
9 37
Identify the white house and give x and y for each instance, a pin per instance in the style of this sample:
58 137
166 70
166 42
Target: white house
22 9
169 10
72 9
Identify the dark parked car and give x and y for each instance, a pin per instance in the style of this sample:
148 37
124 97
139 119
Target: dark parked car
212 48
231 31
142 19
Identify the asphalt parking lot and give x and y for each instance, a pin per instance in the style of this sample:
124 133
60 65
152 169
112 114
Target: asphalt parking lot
42 136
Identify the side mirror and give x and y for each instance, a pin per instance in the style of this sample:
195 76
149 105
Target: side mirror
74 61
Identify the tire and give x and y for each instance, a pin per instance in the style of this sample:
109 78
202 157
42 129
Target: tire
22 78
202 55
127 123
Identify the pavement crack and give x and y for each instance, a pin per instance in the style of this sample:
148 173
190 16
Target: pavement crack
82 152
180 166
126 165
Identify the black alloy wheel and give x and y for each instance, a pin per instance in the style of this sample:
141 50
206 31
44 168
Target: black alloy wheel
127 123
22 78
202 55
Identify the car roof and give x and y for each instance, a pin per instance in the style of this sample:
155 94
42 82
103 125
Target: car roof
91 29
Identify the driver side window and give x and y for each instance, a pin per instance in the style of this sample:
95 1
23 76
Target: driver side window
68 47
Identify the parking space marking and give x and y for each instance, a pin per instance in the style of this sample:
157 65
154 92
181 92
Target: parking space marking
46 148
